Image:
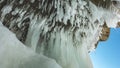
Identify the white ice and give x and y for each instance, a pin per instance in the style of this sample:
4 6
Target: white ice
14 54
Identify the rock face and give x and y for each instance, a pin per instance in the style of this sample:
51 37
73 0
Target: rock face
118 24
105 33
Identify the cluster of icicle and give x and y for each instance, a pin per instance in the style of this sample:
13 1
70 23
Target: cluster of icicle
57 39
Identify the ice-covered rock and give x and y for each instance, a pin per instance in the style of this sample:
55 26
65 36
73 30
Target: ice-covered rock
63 30
14 54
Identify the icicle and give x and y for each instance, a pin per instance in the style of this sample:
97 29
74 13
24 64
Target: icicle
12 50
6 9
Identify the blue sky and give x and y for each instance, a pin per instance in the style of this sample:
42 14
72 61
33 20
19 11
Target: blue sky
107 54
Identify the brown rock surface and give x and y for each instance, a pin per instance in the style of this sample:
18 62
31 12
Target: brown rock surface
118 24
105 33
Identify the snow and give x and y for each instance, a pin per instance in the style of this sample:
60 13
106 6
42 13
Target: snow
21 1
32 1
14 54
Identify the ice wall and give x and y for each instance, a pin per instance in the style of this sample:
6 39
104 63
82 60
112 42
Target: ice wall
61 30
14 54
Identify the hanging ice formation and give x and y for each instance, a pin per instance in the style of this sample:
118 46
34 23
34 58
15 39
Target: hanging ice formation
52 33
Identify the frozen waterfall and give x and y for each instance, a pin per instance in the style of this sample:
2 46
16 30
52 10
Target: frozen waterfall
14 54
51 33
